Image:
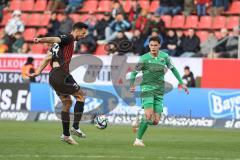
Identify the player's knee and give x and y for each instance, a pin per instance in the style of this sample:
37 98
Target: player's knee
148 116
67 105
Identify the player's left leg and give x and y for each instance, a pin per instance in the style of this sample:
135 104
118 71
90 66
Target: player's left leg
158 109
78 112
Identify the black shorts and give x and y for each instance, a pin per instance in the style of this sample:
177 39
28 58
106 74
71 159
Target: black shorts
62 82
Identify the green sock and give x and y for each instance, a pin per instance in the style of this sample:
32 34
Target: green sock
143 127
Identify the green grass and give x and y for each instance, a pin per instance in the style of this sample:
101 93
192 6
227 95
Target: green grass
40 140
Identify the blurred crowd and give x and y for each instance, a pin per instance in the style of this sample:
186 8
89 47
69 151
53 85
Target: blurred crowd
128 33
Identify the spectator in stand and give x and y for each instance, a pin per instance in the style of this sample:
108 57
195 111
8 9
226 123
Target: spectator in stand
177 6
118 25
65 25
117 8
99 29
171 43
165 7
208 45
3 4
201 7
73 6
86 45
120 45
191 44
220 48
232 43
53 25
188 7
142 22
188 77
91 22
3 44
137 42
217 7
18 43
56 4
134 11
15 24
156 22
28 69
180 39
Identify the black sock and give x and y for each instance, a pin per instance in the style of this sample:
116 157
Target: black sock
65 123
78 111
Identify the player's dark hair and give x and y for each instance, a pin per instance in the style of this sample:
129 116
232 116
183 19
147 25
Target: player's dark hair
186 68
155 39
80 25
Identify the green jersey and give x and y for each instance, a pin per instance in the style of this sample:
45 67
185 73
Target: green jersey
153 70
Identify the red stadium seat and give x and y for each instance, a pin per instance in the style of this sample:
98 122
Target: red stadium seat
34 20
205 22
178 21
167 19
37 48
27 5
29 34
40 5
126 5
191 22
24 18
233 21
219 22
15 5
41 32
105 6
154 6
6 18
75 17
101 50
45 18
144 4
234 8
218 35
89 6
83 17
203 35
99 16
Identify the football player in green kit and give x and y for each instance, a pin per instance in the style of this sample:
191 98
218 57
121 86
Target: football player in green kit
153 66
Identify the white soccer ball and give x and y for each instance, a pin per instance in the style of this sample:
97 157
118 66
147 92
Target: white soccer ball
101 121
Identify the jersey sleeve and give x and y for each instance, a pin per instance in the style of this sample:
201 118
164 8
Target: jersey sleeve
169 63
65 39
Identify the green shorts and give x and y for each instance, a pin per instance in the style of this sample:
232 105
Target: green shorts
154 102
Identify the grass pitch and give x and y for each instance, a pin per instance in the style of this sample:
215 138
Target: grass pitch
41 141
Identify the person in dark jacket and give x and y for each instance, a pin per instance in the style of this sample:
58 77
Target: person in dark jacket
171 43
188 78
53 25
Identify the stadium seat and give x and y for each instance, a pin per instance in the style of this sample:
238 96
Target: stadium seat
29 34
34 20
100 50
126 5
40 5
218 34
44 21
89 6
144 4
37 48
167 19
5 19
178 21
75 17
203 35
234 8
99 16
104 6
205 22
83 17
219 22
41 32
15 5
24 18
154 6
191 22
233 21
27 5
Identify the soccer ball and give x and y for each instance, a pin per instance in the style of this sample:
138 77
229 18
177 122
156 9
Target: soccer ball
101 121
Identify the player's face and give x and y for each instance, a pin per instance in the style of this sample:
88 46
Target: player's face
80 33
154 47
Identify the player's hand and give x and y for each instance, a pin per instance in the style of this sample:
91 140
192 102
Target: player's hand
33 75
183 86
132 88
36 40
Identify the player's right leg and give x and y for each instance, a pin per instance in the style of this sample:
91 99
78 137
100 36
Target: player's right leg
67 103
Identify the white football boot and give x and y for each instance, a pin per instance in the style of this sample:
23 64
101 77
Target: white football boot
77 132
68 139
138 143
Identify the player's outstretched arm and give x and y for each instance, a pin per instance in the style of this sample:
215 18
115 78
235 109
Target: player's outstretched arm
44 63
47 40
180 81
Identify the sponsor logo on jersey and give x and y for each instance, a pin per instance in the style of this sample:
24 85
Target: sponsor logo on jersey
224 104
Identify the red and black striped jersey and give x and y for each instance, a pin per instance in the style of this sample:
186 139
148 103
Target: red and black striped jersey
62 52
